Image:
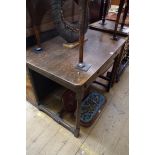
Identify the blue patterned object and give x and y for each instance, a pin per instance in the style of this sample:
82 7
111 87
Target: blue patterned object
91 106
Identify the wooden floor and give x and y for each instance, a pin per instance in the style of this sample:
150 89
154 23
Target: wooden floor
107 136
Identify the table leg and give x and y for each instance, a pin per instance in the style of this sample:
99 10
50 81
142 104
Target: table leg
77 126
112 76
34 89
115 69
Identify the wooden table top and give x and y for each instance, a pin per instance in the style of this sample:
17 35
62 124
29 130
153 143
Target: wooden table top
58 63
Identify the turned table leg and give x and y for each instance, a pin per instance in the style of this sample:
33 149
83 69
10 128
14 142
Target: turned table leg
125 14
104 11
118 18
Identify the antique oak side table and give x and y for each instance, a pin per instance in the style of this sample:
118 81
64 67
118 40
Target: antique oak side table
58 64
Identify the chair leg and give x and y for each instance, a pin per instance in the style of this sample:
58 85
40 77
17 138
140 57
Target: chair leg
125 14
122 2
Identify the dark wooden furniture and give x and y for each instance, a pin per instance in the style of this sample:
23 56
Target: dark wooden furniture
58 65
113 26
124 62
120 9
109 27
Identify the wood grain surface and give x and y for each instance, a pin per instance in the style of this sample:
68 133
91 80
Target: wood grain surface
107 136
58 63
